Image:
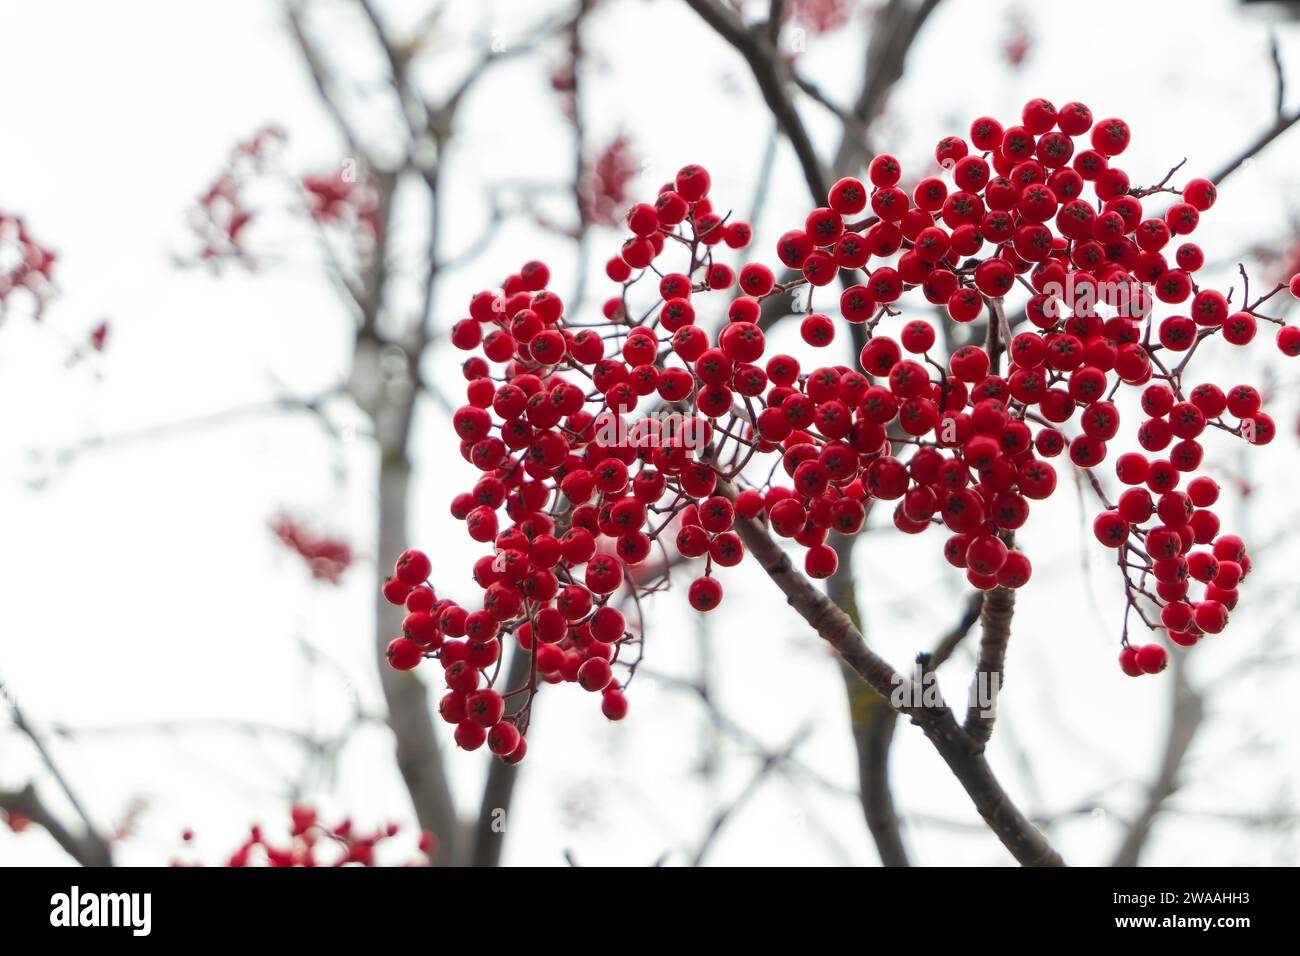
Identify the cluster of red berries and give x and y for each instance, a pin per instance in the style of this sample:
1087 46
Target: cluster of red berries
326 556
569 636
25 265
222 214
606 182
312 844
821 16
344 197
571 508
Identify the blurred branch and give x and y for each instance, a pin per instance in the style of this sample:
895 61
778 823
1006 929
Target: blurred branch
770 763
1279 75
893 32
498 789
1186 713
872 721
852 125
737 732
295 10
88 848
775 19
579 155
284 404
895 29
1282 121
1261 142
759 50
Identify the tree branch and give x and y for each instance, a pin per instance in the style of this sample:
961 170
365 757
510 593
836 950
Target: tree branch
1282 121
489 839
760 52
872 721
995 619
895 30
87 848
1186 713
948 643
963 755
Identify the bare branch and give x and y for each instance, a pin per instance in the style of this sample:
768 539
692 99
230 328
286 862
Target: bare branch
948 643
1261 142
770 763
895 30
88 848
963 755
489 838
765 63
1186 713
324 87
995 617
872 721
1282 121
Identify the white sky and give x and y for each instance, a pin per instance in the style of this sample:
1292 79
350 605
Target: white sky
140 584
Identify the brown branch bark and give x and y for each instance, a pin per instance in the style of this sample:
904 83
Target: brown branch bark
999 604
89 847
986 685
963 755
86 847
895 30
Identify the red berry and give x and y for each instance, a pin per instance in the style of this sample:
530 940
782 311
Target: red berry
705 594
692 183
413 567
1152 658
1200 193
884 171
469 736
396 590
1288 336
503 739
848 197
821 561
1110 529
817 330
613 704
594 674
1211 617
485 707
404 654
1110 137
